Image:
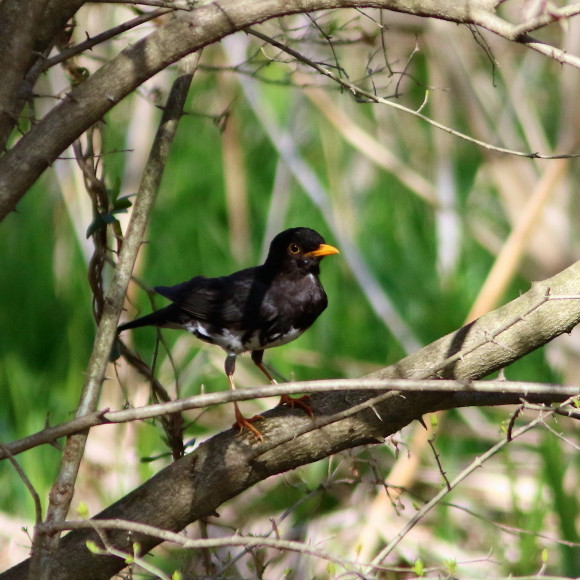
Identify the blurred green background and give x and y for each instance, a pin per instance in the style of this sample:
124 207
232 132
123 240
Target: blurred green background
253 157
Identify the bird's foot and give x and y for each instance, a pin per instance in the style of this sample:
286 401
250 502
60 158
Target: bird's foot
244 423
298 402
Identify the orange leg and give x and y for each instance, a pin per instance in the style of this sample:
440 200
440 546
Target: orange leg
297 402
284 399
241 421
257 358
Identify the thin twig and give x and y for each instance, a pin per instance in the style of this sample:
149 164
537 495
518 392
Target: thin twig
184 542
358 92
90 42
438 460
476 464
552 14
34 494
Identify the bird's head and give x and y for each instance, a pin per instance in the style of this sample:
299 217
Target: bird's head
298 248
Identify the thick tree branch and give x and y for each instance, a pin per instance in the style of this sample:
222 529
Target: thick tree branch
224 466
26 36
207 23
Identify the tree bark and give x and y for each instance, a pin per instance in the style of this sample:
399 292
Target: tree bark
195 486
26 36
87 103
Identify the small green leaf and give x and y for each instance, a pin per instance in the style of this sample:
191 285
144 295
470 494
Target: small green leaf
122 203
93 548
78 74
95 225
117 211
83 510
419 567
108 218
544 555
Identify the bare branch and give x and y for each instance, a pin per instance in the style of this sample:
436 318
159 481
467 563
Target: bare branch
27 483
207 23
418 384
476 464
200 544
89 43
229 463
551 15
547 391
361 93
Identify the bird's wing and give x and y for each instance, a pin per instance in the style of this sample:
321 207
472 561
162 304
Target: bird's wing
228 301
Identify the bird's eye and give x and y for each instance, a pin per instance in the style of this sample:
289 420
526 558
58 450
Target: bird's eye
294 248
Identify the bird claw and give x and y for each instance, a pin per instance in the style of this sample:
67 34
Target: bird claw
244 423
298 402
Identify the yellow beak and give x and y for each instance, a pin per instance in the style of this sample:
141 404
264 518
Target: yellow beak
322 250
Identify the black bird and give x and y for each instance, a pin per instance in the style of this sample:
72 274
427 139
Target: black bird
253 309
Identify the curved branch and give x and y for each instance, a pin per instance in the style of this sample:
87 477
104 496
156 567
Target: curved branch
26 36
50 435
520 32
229 463
205 24
373 98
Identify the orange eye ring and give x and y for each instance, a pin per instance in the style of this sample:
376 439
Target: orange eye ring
294 249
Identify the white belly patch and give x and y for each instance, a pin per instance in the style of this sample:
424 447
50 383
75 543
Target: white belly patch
237 342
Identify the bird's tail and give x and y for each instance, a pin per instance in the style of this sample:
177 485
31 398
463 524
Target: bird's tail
165 318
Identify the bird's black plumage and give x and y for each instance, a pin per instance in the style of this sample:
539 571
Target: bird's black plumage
255 308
